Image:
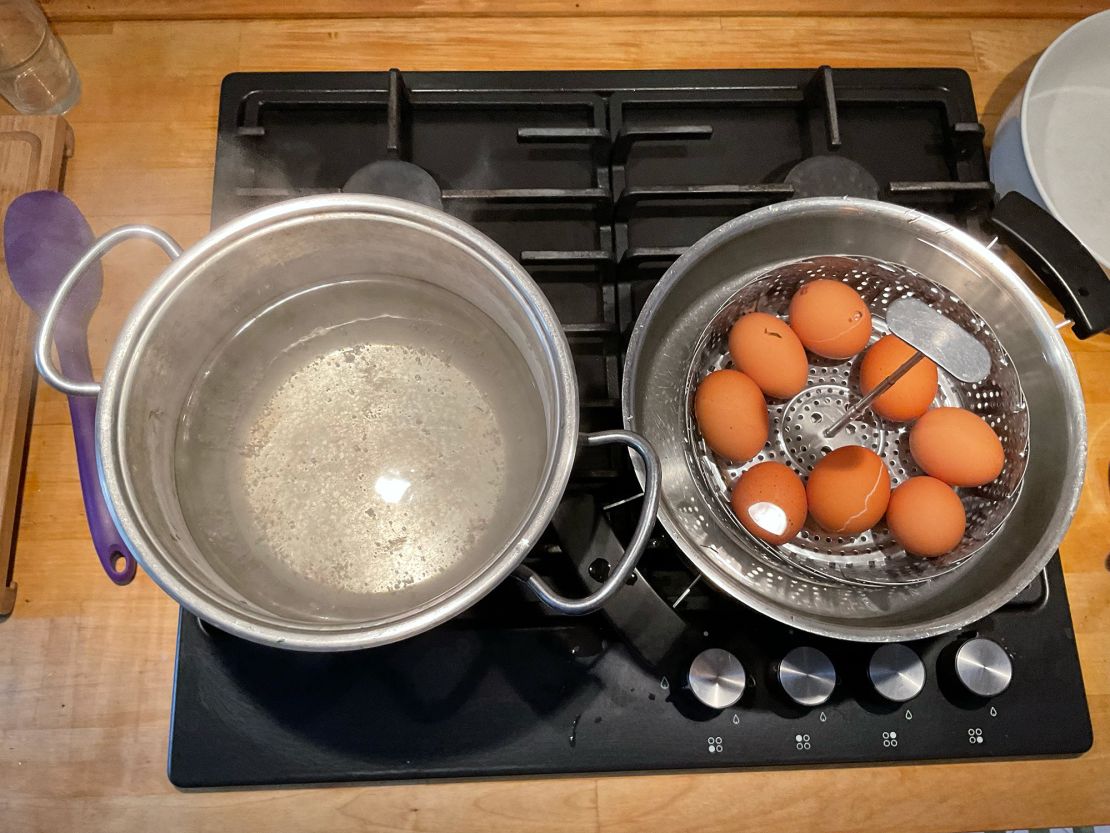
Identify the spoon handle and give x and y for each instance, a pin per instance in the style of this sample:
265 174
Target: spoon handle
70 336
115 558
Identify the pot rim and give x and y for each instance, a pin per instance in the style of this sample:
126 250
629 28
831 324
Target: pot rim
963 244
267 629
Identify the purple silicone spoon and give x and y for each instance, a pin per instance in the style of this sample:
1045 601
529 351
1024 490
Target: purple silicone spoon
44 235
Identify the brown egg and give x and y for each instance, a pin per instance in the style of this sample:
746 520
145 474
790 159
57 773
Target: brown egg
848 490
770 501
830 319
765 348
957 446
731 414
911 395
926 517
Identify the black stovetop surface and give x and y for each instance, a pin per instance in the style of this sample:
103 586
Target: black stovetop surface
596 181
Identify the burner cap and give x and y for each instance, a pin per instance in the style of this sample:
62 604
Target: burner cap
832 176
395 178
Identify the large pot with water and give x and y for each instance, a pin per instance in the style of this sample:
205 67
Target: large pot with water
338 421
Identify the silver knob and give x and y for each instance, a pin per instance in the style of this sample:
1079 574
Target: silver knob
897 673
717 678
983 667
807 676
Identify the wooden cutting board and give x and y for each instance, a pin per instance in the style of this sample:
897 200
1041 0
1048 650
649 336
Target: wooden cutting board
33 150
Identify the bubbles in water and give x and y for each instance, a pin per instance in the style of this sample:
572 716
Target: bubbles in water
365 458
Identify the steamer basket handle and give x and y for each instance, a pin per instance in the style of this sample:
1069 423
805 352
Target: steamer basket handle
44 344
1061 262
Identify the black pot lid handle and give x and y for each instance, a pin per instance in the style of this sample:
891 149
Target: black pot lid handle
1056 257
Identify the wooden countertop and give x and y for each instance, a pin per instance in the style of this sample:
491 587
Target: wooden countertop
85 667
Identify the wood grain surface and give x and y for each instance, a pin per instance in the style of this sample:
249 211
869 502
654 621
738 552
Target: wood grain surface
32 152
85 667
60 10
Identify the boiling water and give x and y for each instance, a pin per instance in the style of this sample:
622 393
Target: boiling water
359 448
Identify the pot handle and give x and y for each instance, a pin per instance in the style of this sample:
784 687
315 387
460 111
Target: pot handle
44 344
623 569
1056 257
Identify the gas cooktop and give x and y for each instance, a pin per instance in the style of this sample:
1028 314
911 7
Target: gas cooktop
596 182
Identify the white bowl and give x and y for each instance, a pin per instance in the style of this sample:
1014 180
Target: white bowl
1053 142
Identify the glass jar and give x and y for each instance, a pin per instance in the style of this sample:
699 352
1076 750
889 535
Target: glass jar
36 74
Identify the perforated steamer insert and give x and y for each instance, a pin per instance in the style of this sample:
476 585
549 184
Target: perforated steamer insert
796 426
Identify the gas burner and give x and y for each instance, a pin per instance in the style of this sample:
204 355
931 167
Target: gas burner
396 178
396 175
832 176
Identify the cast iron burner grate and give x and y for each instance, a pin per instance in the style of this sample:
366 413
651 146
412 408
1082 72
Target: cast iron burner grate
597 182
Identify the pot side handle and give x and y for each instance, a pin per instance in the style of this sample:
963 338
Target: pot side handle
44 344
1056 257
623 569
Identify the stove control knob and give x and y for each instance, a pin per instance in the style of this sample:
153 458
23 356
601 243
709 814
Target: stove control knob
983 667
717 678
897 673
807 676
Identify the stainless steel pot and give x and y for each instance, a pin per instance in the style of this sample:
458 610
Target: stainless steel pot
207 295
718 269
